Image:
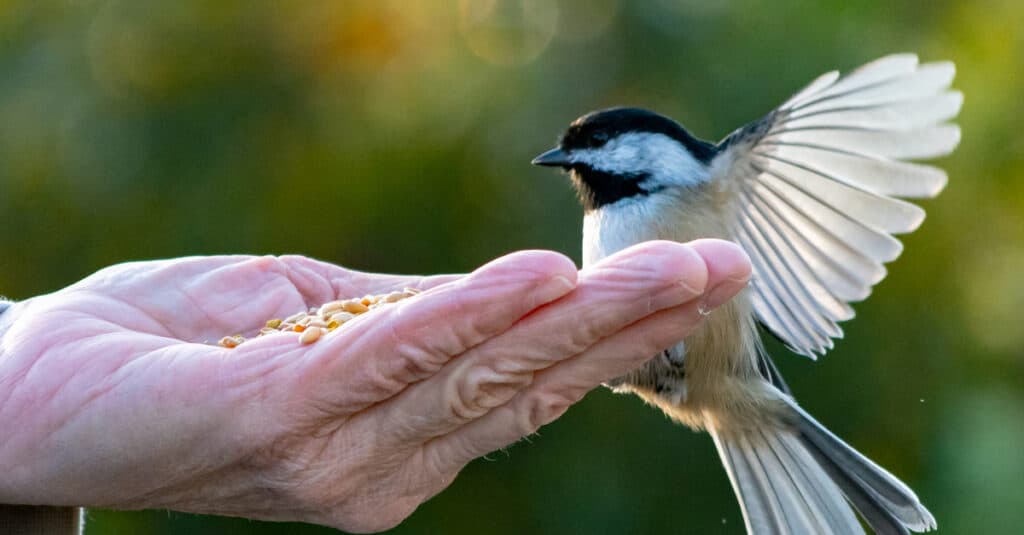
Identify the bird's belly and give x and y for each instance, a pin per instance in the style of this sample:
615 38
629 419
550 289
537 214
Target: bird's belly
713 373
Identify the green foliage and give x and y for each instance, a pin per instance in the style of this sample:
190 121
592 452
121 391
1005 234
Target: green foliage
396 136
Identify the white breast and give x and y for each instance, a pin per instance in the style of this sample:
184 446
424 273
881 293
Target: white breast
613 228
668 215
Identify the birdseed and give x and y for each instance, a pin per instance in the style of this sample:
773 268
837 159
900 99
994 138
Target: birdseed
321 320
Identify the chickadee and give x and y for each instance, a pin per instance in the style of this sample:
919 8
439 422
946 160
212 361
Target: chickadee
809 192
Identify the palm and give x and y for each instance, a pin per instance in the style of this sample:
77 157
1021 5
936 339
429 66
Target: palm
155 321
201 299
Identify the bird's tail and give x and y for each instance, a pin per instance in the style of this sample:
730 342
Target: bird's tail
798 480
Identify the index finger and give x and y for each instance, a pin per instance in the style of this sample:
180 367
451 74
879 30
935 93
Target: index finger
379 353
321 281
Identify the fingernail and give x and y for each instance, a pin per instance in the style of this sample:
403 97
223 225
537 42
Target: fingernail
553 289
721 293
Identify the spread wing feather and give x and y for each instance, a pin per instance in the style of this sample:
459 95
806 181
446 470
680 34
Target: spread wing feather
815 185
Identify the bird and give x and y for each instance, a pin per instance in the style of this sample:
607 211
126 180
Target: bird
813 193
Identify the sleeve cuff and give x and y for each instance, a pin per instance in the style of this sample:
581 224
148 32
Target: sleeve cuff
40 520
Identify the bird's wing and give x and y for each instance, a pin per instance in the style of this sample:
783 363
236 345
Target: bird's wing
815 182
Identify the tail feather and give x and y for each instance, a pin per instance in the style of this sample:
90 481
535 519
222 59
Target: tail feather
756 510
874 483
780 493
829 503
875 514
796 480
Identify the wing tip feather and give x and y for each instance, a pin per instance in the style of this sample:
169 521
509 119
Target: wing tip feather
958 96
901 62
945 70
915 218
934 138
942 65
941 180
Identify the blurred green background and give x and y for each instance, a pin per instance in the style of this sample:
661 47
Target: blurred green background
395 136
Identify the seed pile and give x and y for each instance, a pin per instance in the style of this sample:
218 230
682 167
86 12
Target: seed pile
316 322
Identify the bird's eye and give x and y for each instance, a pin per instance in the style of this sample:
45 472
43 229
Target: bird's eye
598 138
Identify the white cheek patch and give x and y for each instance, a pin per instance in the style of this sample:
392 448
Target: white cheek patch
664 160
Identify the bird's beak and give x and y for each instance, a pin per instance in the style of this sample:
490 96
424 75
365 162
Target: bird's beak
555 157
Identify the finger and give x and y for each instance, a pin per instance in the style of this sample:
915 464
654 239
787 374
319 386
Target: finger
165 297
239 296
554 389
322 281
379 353
610 295
206 297
728 264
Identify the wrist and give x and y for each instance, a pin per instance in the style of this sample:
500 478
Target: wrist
32 518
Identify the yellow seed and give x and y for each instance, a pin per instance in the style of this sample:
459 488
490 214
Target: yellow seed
325 318
311 335
342 317
355 307
330 308
231 341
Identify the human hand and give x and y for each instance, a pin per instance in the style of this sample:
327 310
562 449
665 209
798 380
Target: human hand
114 400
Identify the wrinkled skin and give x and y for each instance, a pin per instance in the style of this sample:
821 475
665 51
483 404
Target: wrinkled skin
112 394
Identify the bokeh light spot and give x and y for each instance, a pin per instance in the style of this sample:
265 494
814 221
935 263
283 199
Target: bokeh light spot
584 20
507 32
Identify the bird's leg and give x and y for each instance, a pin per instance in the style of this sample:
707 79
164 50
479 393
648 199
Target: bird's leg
663 376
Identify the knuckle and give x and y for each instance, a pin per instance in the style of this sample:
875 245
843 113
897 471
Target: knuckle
579 340
416 360
448 322
593 326
481 388
542 408
471 305
435 458
442 460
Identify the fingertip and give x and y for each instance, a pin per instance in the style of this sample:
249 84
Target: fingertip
552 263
537 265
667 261
725 260
729 269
